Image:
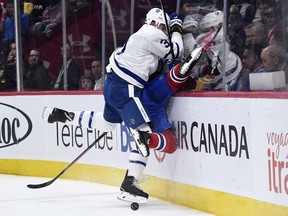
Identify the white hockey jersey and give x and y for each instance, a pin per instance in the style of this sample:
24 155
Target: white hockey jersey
139 57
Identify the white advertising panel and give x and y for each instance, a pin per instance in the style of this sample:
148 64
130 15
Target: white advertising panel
234 145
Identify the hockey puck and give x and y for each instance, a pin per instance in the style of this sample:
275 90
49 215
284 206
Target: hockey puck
134 206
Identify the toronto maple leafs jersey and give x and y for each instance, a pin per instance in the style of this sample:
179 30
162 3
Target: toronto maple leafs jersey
139 57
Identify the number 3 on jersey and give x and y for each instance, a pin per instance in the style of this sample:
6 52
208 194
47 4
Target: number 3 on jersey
165 43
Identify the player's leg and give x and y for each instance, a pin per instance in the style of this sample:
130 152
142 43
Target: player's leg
190 62
161 141
130 189
85 119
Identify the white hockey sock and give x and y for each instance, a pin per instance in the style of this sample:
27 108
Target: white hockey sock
91 119
137 164
83 118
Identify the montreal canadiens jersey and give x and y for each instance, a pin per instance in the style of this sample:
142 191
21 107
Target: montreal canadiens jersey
139 57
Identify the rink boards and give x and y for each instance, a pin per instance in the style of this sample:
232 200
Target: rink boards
232 157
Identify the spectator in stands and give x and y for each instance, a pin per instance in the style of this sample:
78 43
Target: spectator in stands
2 78
73 72
87 83
96 71
13 49
8 73
37 11
263 5
272 21
36 76
7 26
7 82
247 9
51 16
234 15
251 63
274 58
250 33
256 33
236 31
261 34
282 37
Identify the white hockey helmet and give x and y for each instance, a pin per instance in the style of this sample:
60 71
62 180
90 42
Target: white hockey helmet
156 14
212 20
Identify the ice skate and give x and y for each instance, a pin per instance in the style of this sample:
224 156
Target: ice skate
190 61
141 140
130 191
52 115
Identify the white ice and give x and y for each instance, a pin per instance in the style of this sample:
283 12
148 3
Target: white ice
75 198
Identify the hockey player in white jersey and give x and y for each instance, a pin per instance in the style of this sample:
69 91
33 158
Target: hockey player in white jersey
139 57
130 68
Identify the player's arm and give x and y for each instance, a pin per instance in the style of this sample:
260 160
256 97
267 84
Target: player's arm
160 46
177 46
176 29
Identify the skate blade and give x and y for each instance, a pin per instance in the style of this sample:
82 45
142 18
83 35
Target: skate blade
196 53
46 113
194 57
127 197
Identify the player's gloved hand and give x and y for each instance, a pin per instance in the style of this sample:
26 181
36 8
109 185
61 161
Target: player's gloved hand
176 23
190 25
212 66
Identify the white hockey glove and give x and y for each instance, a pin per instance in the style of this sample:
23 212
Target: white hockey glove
191 23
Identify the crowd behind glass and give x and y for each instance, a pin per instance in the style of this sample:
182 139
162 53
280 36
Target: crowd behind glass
256 42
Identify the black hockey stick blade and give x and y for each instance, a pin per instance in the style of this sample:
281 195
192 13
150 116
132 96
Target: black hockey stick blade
45 184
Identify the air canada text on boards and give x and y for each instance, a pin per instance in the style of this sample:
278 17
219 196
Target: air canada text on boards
218 139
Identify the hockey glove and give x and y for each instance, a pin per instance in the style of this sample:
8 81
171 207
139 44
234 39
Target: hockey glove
190 25
175 23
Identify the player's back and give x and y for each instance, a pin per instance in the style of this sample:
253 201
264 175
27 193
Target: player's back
141 54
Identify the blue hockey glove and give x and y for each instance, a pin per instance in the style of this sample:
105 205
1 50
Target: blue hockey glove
175 23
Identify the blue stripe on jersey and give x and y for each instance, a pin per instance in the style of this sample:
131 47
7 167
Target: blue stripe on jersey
162 142
80 119
138 162
128 72
90 119
177 49
135 151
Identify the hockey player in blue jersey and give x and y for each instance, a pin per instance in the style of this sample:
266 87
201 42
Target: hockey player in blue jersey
131 99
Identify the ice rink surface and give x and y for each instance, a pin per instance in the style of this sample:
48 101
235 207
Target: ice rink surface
75 198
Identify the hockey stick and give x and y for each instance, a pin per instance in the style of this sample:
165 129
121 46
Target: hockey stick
219 26
217 31
45 184
168 30
212 40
